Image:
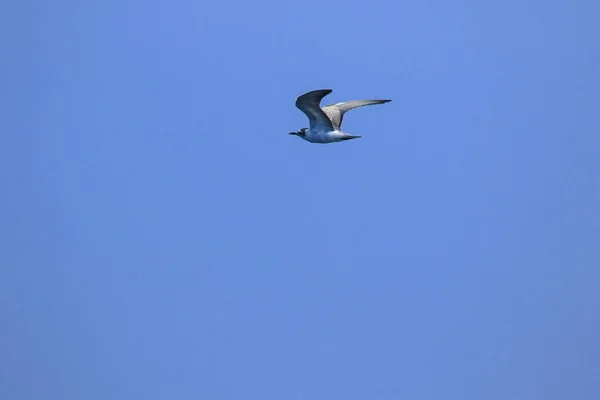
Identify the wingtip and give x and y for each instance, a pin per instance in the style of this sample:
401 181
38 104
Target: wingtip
382 101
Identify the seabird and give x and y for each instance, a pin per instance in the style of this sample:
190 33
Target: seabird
326 122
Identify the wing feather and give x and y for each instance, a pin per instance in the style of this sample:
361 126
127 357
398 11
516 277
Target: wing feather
310 104
336 111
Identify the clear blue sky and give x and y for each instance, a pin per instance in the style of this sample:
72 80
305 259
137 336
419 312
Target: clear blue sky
163 237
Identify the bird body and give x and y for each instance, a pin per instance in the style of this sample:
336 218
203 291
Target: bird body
326 122
324 136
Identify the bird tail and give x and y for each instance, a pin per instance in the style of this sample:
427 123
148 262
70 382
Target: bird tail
348 137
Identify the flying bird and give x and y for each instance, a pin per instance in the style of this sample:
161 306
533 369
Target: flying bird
326 122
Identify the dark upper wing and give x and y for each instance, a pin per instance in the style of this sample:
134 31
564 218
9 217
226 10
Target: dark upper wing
310 104
336 111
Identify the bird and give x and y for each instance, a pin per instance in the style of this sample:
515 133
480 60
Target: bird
326 123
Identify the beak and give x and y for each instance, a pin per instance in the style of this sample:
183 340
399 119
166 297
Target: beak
293 133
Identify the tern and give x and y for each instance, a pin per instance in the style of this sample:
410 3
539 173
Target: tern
326 122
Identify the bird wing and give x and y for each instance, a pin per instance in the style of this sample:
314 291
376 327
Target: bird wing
336 111
310 104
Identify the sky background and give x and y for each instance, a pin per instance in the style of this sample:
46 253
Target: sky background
163 237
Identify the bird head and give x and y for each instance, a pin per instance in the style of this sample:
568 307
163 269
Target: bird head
300 133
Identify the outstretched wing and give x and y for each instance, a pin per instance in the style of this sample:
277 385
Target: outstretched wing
336 111
310 104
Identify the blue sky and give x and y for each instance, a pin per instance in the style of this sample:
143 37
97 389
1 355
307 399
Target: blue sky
163 237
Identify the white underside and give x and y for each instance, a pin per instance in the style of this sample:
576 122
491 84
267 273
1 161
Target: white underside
320 136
